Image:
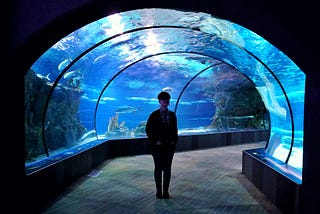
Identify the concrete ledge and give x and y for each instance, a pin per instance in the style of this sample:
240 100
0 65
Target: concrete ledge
281 187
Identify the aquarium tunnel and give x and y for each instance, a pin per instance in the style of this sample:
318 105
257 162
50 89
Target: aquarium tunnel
101 82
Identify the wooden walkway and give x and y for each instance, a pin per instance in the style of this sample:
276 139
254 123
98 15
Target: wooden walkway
203 181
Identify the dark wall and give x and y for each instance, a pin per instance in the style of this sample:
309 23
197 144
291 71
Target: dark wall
32 26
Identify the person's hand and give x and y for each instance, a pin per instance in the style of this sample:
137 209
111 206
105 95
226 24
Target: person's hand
159 143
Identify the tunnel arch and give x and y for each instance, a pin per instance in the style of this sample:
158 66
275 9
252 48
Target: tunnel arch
188 83
226 59
143 58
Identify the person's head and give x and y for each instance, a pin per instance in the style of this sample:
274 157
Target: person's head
164 100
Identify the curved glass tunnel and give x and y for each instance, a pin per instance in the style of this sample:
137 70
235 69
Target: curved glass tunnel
101 82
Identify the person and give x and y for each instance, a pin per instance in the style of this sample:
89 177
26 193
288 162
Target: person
162 132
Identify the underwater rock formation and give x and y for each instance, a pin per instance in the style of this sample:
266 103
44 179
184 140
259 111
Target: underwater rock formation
62 124
238 103
140 130
113 122
115 129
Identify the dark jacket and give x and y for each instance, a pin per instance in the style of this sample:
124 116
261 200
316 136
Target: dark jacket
156 131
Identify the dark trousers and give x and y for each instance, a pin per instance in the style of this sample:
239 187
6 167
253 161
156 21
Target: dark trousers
162 158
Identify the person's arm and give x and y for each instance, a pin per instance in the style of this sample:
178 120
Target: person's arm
175 128
151 128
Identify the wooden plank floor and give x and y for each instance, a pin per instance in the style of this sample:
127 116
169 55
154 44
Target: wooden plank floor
203 181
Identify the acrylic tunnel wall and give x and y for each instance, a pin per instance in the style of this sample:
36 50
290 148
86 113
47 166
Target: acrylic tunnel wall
101 81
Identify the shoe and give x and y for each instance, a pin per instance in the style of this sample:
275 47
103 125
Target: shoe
166 195
159 195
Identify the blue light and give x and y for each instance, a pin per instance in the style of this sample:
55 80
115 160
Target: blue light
126 59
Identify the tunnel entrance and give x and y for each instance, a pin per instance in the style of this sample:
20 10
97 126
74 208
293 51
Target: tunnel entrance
100 82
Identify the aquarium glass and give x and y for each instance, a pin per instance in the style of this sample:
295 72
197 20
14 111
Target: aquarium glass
101 82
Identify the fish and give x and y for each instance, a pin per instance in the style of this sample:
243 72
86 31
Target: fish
64 64
99 58
137 98
127 109
167 89
108 99
87 135
71 74
44 77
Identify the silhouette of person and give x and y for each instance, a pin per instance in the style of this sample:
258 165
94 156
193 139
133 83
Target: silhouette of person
162 132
